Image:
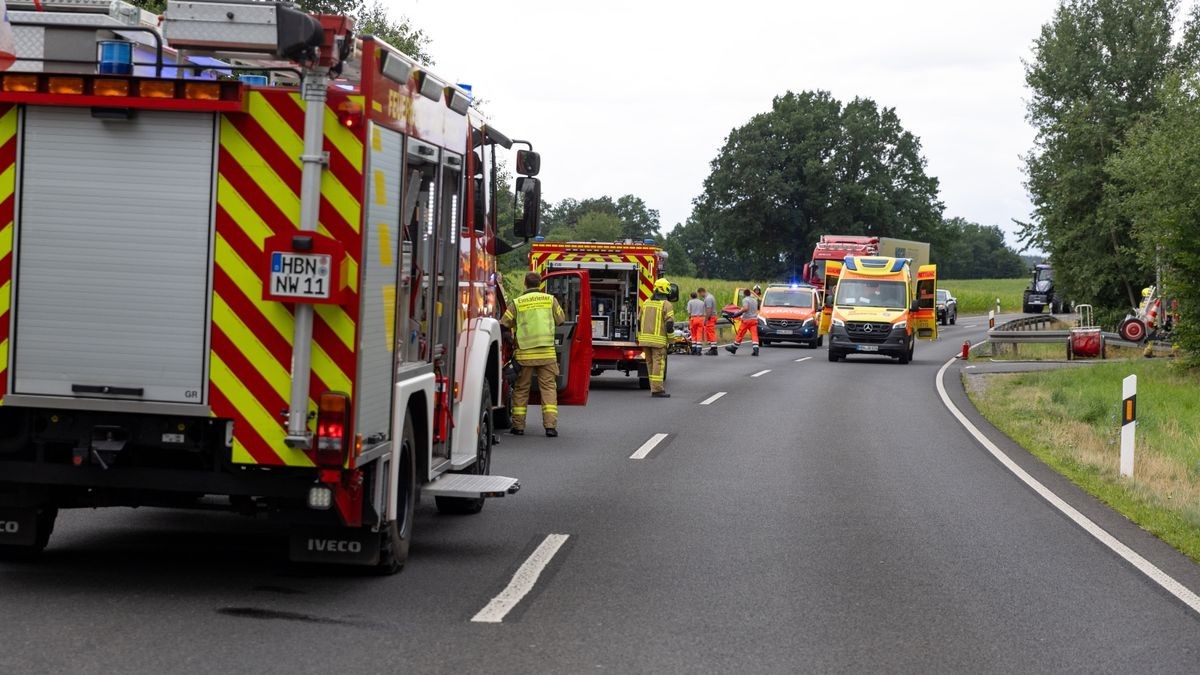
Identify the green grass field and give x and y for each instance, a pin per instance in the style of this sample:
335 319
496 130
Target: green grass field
1070 419
978 296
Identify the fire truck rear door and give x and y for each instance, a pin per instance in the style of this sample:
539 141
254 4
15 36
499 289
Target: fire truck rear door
833 271
113 275
574 337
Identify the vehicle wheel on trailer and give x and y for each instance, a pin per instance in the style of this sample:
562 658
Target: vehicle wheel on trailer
954 319
1027 309
397 535
465 506
44 522
643 376
1132 330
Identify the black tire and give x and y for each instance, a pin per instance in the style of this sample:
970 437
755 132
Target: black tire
907 355
466 506
46 516
397 535
954 319
764 343
1027 309
834 356
643 376
502 417
820 340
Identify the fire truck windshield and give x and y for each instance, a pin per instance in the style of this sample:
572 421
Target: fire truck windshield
871 293
788 297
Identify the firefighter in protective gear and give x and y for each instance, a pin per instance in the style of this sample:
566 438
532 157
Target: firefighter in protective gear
748 323
656 320
532 317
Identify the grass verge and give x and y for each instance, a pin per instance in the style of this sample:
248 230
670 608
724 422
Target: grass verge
1070 420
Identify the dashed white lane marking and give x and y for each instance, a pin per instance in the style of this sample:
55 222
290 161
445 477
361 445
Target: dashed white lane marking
970 325
803 359
1132 557
522 581
761 373
711 399
648 446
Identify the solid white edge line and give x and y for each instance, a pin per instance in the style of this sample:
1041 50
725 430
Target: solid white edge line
648 446
1185 595
522 581
803 359
711 399
761 373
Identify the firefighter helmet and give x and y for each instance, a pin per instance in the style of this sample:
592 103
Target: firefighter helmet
662 286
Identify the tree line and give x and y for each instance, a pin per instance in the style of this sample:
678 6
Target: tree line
812 165
1115 170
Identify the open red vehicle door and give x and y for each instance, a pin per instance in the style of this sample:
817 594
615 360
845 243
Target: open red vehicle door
573 339
833 271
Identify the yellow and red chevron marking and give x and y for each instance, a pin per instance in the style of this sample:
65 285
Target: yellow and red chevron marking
8 172
645 263
258 195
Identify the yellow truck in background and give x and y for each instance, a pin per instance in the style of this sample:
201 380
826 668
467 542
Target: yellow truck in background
878 305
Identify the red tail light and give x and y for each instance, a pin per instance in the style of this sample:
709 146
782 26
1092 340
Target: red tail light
333 429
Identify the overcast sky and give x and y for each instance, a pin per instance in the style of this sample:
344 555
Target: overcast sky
637 97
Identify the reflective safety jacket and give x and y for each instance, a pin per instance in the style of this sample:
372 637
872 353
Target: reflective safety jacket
652 324
536 315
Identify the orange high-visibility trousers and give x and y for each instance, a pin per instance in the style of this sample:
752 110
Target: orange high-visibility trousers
696 326
747 326
710 331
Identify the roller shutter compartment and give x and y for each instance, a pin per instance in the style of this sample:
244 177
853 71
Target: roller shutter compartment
113 265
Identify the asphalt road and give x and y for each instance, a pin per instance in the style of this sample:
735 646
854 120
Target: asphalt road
817 517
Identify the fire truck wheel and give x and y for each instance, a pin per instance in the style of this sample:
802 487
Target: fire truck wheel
465 506
393 549
45 526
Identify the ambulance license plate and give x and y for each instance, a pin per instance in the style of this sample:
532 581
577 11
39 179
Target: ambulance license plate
300 275
785 331
868 348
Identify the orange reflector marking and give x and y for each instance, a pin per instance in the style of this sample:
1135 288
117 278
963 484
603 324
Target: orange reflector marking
157 89
110 87
1128 410
202 91
65 85
22 83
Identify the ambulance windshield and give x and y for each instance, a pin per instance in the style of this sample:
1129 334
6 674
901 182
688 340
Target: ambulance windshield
871 293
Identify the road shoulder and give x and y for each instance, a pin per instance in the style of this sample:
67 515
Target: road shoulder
1150 547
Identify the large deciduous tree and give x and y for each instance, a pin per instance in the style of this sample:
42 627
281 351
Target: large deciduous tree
1157 176
811 165
1095 71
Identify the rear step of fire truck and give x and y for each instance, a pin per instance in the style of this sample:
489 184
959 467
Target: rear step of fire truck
470 486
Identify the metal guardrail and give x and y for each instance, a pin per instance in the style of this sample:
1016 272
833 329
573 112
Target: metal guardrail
1029 330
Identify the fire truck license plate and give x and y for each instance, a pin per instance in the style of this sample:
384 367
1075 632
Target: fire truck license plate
300 275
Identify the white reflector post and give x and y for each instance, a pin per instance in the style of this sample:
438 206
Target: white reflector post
1128 423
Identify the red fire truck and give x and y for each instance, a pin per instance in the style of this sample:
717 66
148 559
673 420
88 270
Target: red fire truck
275 295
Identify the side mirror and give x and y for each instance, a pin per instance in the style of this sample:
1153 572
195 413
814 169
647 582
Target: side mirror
916 304
804 274
673 296
529 202
529 163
